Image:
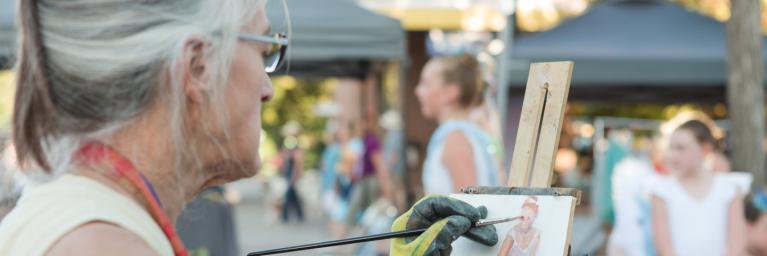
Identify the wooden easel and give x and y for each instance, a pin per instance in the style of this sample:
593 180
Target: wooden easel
538 137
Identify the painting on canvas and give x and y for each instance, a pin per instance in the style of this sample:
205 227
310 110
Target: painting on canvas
542 230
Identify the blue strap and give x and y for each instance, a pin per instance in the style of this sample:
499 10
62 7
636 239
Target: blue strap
151 188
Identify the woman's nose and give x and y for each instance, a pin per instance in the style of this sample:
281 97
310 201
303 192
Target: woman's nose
419 90
267 92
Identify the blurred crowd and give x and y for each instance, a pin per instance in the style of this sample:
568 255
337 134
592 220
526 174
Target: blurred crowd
363 164
673 194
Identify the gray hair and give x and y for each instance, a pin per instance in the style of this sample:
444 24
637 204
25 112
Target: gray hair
87 68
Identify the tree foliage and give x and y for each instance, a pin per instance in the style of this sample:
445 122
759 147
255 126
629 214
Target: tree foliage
548 15
295 99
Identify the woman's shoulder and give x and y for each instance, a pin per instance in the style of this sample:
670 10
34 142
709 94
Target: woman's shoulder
48 211
100 238
511 232
664 187
461 126
461 132
730 185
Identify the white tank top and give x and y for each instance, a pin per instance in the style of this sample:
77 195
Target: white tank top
697 226
47 211
436 177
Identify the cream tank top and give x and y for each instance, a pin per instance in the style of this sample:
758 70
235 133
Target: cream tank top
47 211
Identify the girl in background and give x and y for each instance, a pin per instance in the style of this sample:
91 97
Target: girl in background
696 211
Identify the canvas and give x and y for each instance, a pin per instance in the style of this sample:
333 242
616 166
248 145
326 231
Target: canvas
543 230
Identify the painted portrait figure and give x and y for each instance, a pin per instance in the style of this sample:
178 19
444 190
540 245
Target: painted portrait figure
523 238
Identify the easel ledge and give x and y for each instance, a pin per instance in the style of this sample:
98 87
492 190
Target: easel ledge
525 191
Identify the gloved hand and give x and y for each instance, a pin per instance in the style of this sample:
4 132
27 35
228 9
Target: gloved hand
446 219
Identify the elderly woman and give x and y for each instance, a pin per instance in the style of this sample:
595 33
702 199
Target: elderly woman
125 110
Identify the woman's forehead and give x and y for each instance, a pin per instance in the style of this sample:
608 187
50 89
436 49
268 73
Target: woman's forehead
682 135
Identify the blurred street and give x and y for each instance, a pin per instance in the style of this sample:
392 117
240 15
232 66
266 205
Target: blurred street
259 227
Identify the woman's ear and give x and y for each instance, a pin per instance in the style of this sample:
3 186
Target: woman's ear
193 66
708 148
452 92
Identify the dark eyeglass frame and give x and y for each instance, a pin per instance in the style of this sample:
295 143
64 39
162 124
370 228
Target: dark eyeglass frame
278 45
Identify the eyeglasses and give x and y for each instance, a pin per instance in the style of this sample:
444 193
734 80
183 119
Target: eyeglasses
274 57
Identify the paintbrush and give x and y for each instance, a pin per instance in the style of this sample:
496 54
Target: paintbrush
362 239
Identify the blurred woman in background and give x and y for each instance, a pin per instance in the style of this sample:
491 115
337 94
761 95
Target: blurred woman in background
457 155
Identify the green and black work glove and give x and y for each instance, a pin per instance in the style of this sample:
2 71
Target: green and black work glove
446 219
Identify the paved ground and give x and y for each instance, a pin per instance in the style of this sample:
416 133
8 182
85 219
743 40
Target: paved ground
259 229
259 226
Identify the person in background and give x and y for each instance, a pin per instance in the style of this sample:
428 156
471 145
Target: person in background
329 159
350 150
634 175
457 154
696 211
292 165
371 176
756 228
393 154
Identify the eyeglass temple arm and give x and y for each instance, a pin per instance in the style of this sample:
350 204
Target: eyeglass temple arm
260 38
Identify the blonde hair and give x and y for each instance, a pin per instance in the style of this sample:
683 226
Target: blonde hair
87 68
464 71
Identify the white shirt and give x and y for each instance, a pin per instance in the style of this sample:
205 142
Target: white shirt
697 226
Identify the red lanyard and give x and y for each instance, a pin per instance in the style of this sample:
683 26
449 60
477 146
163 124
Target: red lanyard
97 153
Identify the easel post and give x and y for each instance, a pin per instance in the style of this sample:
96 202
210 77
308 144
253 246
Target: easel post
540 124
539 128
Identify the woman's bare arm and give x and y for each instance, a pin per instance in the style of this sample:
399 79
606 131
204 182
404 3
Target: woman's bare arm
458 158
660 230
506 246
736 227
100 238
